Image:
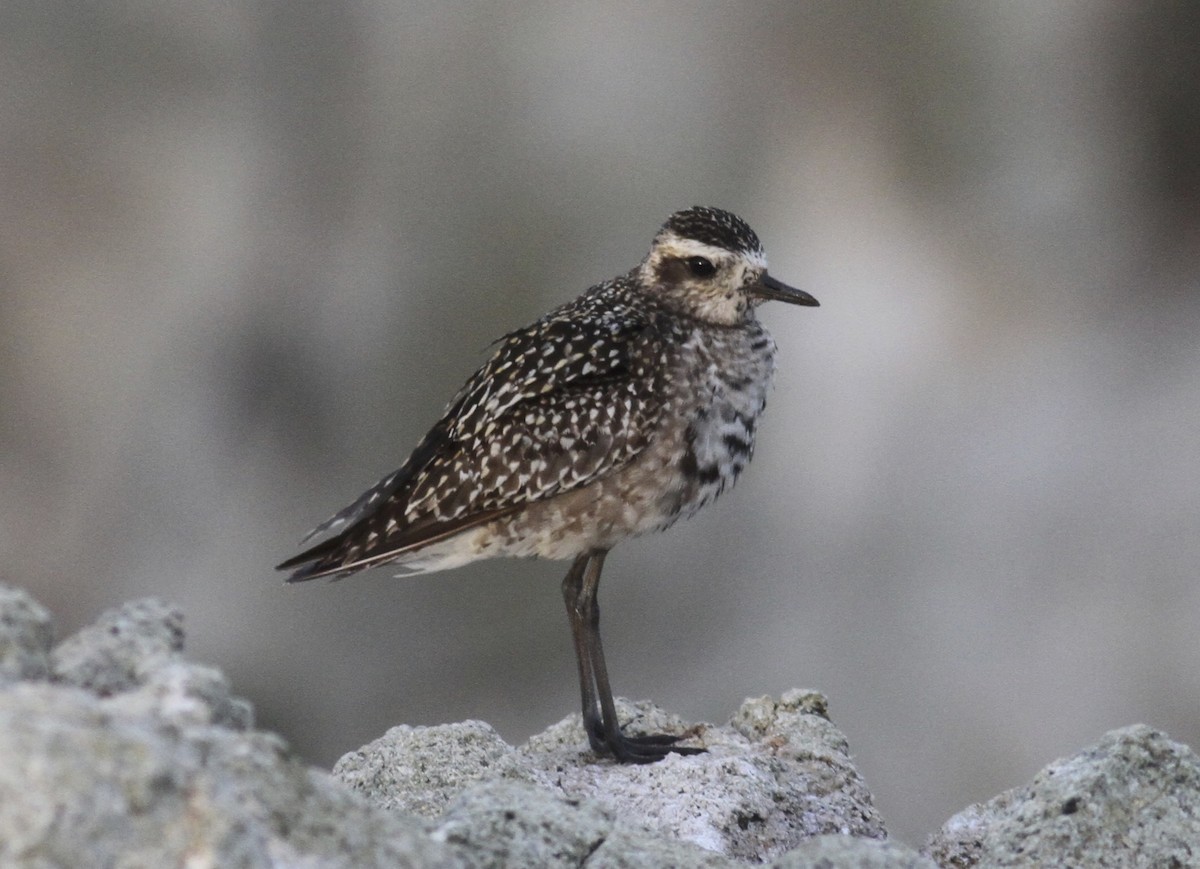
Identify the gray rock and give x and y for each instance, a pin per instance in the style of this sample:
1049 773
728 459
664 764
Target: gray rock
845 852
86 782
185 694
779 774
1131 800
132 756
421 769
630 848
514 824
755 793
134 654
119 651
26 634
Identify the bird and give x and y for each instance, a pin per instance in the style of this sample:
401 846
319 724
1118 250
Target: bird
611 416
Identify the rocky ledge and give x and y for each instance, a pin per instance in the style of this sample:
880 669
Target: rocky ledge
117 751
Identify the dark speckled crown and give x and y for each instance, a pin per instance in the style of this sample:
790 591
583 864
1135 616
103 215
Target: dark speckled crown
713 226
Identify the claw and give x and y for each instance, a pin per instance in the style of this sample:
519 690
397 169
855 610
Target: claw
647 748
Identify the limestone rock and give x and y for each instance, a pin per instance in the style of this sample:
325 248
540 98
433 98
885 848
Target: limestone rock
847 852
115 750
420 770
516 824
1133 799
132 756
780 773
121 648
26 634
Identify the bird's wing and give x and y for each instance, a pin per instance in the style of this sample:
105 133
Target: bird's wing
559 403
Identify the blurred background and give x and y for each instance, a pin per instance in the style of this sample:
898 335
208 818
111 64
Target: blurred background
248 251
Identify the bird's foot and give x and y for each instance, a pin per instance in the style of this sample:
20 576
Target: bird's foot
643 748
650 748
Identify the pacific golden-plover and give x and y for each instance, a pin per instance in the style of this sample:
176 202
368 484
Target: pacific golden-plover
616 414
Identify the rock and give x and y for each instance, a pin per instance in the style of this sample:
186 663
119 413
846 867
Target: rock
133 756
517 824
513 824
121 649
115 750
1131 800
183 693
628 848
86 782
778 774
421 769
846 852
26 634
134 654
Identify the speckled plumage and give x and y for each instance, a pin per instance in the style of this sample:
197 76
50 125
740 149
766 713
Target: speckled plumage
613 415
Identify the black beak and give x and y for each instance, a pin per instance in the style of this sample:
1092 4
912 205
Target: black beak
769 288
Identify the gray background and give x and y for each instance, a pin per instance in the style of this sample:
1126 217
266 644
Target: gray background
248 250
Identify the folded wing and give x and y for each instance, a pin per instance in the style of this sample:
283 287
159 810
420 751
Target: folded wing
559 404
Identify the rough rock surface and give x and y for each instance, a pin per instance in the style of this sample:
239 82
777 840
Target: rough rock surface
26 634
844 852
131 756
778 774
420 770
516 824
121 649
117 751
1131 800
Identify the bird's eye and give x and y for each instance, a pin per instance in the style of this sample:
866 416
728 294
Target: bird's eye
701 267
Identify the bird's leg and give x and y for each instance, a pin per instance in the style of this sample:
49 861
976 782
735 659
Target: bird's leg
580 589
572 590
589 610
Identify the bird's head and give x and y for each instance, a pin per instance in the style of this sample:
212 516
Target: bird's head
709 264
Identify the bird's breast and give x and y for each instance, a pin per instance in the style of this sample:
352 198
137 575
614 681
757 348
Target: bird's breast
724 379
